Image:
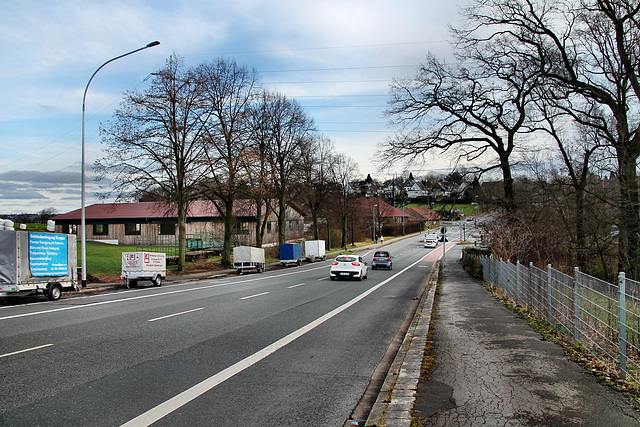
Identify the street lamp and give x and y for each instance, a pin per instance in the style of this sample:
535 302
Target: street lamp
83 233
373 213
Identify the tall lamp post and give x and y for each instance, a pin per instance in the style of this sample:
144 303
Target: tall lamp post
373 213
83 239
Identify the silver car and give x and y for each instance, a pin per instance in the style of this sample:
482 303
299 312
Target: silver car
382 259
348 267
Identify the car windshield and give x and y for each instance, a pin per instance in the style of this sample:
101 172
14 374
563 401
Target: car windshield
345 259
379 254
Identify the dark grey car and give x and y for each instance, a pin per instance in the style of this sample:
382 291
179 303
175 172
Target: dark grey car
382 259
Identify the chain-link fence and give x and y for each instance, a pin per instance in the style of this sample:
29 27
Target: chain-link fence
602 317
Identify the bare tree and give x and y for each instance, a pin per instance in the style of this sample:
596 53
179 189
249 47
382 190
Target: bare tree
46 214
475 108
153 146
258 168
291 134
345 171
318 161
588 47
227 91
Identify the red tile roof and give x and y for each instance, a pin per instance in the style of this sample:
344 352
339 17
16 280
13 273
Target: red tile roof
197 209
384 209
421 214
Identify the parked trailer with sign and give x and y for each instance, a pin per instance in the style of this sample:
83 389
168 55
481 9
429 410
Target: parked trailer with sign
138 266
35 262
248 258
314 249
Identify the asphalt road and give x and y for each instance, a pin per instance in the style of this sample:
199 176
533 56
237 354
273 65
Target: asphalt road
288 347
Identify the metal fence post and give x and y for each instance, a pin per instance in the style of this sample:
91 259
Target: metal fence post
622 324
549 287
518 282
530 289
576 305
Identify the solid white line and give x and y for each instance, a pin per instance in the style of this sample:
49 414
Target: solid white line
295 286
26 350
175 314
165 408
256 295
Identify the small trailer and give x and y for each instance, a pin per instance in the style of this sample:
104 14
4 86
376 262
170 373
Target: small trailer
314 250
248 258
291 253
37 262
139 266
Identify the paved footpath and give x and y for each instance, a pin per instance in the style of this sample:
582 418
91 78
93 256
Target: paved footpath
492 369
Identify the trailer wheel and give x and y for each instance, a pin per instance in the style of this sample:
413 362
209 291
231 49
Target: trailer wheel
54 292
157 281
299 262
132 283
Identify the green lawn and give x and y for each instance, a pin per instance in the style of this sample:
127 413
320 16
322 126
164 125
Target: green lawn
467 209
103 259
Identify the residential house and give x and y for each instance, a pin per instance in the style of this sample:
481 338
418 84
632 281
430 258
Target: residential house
414 189
156 223
425 216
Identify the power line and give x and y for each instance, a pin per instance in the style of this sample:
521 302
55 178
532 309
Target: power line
372 67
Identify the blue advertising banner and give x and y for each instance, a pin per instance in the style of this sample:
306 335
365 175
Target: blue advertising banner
48 254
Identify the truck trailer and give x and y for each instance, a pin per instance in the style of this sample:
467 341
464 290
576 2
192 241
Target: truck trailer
315 250
37 263
139 266
248 258
291 253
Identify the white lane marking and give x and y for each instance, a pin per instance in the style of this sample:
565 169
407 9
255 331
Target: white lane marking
179 291
255 295
25 350
295 286
175 314
181 399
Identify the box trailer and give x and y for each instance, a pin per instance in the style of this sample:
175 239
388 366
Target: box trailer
291 253
248 258
140 266
314 250
37 262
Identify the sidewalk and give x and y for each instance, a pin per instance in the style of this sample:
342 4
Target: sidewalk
491 368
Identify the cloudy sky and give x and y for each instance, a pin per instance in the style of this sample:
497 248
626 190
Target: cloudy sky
336 58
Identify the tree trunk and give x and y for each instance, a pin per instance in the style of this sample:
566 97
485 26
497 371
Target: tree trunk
258 224
629 227
228 233
316 231
509 200
282 221
580 236
182 235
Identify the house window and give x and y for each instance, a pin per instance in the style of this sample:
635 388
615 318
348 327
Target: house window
100 229
132 229
241 228
269 226
167 229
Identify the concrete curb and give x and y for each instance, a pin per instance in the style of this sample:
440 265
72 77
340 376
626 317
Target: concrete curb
394 405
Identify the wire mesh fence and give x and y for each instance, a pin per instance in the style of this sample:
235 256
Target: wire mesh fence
602 317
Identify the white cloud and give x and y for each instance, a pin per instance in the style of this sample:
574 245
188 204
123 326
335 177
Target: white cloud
50 49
